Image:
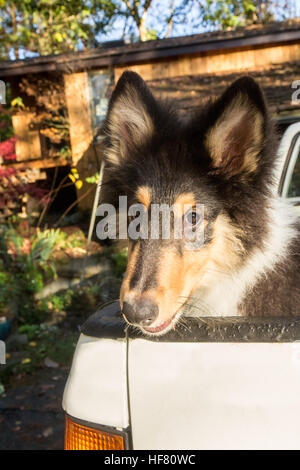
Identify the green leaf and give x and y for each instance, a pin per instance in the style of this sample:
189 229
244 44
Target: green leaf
18 102
58 37
93 179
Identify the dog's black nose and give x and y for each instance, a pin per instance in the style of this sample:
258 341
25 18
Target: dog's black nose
141 311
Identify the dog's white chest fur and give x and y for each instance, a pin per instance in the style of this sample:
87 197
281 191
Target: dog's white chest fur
228 290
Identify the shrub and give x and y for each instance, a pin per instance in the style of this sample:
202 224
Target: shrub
25 265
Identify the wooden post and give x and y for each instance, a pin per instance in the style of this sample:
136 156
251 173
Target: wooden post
28 145
81 134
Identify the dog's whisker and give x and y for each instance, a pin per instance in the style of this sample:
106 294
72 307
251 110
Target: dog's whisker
201 306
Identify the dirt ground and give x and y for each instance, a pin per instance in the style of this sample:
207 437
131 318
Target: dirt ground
31 415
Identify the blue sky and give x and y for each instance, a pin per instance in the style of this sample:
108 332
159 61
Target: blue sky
155 20
190 23
159 10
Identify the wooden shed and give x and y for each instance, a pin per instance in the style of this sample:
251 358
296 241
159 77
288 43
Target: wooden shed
187 69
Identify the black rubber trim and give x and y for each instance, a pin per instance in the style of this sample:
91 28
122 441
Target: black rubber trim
108 323
125 433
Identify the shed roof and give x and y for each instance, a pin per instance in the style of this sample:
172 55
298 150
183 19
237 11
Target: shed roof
273 33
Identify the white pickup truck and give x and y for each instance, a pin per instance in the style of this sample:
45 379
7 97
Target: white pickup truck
214 383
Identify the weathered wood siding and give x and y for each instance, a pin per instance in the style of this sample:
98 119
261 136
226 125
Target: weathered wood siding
28 145
232 60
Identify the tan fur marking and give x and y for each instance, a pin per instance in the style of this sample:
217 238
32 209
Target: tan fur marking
170 279
239 111
143 195
132 257
178 277
185 199
250 161
129 122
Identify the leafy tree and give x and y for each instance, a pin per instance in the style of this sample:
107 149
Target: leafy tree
28 27
46 27
51 26
232 13
150 19
137 11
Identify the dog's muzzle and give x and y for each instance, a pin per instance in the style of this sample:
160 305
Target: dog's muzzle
141 311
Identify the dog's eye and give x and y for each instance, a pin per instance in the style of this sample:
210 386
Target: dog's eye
192 218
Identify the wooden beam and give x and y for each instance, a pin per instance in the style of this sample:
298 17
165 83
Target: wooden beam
46 163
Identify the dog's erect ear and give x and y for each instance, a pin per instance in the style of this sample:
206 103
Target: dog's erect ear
235 136
130 118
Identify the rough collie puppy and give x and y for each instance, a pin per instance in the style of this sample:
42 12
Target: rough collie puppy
222 159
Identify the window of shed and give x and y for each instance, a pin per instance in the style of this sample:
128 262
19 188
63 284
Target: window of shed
100 84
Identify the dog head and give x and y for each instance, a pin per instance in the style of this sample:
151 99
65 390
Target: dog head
213 170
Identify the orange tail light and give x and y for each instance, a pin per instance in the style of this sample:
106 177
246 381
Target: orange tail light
79 437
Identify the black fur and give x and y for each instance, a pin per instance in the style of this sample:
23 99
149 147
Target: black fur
175 159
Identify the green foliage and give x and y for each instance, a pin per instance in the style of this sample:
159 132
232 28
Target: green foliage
52 26
30 331
66 240
151 34
59 302
44 341
65 151
83 298
120 260
17 102
93 179
5 282
25 266
6 129
225 14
